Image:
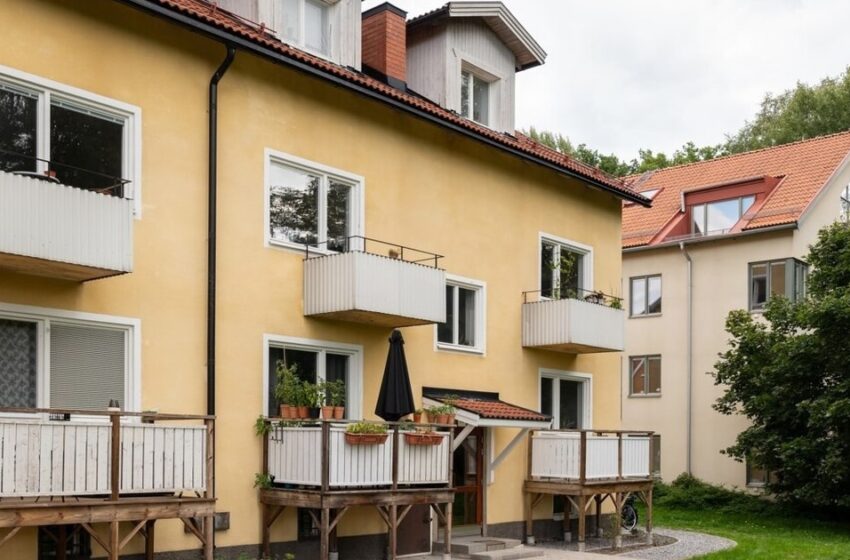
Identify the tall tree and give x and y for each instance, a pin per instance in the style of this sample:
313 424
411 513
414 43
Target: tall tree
789 374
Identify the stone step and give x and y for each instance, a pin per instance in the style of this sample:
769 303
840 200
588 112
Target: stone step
507 554
467 546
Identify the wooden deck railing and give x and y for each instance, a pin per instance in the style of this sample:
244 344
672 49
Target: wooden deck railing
590 455
105 454
317 455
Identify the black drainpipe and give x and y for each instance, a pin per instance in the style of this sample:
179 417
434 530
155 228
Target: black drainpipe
211 224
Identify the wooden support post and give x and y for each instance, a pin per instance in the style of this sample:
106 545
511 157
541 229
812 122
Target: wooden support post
582 508
649 539
529 518
619 498
209 531
210 465
447 551
12 532
620 456
598 512
568 509
266 536
393 553
115 457
583 458
326 469
324 534
114 547
62 543
149 539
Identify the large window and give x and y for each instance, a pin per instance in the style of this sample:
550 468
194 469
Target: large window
464 328
474 97
58 362
720 216
786 277
567 398
844 199
564 269
79 139
312 205
645 375
645 295
315 362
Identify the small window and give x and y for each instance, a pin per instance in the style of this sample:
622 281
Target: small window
312 207
562 270
645 295
304 23
474 98
844 210
720 216
758 477
19 363
786 277
645 373
464 326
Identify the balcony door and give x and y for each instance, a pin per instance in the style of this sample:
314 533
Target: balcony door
567 398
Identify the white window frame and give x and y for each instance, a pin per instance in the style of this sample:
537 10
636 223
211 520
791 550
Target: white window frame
585 379
130 115
358 197
354 395
268 11
43 317
586 252
480 289
476 74
844 204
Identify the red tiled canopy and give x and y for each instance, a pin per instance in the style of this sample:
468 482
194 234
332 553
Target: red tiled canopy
486 406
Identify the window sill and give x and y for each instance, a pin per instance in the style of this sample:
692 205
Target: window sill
645 316
458 349
645 395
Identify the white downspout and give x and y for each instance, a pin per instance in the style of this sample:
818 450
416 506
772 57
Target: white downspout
688 400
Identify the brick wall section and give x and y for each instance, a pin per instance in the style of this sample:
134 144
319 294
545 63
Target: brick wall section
384 43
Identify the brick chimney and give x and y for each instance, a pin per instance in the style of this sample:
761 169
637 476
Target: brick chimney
385 44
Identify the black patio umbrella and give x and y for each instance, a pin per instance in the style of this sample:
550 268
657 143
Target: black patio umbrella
395 400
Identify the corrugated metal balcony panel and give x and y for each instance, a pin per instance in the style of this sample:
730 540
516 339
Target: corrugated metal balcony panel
373 289
59 231
573 326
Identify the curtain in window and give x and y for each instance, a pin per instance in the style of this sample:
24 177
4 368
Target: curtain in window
87 366
18 363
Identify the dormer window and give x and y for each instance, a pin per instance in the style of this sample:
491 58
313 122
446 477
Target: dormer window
475 98
720 216
305 23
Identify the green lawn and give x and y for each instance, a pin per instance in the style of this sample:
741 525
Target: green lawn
762 536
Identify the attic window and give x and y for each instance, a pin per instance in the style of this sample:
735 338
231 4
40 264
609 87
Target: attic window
474 97
720 216
304 23
650 194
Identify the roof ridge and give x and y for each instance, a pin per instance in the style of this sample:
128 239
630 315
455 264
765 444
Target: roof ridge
726 157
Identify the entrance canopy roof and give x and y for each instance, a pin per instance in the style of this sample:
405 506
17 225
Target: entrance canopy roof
479 408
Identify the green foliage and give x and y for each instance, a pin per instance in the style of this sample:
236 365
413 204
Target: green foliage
335 391
688 492
796 114
261 426
312 394
287 389
366 428
789 374
263 480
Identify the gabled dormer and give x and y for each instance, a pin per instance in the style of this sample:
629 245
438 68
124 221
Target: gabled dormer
465 56
326 28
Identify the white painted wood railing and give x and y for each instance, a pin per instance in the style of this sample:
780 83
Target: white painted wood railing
581 455
295 456
55 222
74 458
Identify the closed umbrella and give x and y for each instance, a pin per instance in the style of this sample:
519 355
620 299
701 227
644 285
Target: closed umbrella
395 399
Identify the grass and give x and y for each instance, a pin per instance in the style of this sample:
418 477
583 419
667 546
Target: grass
761 528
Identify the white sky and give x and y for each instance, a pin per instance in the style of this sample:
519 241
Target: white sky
627 74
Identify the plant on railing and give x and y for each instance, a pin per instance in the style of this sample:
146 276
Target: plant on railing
445 413
262 426
287 388
366 433
616 303
335 391
312 397
263 480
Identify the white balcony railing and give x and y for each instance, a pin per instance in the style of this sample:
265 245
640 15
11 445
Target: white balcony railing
573 325
375 289
74 458
588 456
295 457
59 231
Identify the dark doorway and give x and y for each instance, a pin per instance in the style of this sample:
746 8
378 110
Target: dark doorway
63 542
414 531
467 472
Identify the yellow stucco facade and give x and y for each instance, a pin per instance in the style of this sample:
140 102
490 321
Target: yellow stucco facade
425 187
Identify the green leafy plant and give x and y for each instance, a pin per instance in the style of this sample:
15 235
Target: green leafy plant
263 480
313 394
286 389
261 426
366 428
335 391
616 303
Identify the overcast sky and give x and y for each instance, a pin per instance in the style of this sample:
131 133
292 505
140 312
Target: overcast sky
626 74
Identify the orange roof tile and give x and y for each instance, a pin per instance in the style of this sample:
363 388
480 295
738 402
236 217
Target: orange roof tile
209 13
805 166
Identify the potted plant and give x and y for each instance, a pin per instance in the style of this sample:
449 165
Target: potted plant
421 438
336 396
301 401
313 399
366 433
325 395
449 408
417 415
286 389
435 414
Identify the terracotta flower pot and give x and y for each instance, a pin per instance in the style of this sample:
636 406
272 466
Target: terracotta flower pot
417 417
286 411
303 412
443 418
339 412
365 439
327 412
423 438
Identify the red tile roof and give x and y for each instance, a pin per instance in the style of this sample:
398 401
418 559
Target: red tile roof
207 12
499 410
804 167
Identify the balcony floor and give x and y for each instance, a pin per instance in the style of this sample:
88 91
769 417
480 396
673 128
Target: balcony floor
373 318
571 487
316 499
54 269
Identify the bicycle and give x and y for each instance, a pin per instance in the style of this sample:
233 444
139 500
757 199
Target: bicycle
629 515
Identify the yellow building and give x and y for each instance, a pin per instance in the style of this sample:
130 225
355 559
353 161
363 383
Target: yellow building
188 198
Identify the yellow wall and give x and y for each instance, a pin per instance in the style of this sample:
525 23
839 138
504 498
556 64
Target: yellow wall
425 187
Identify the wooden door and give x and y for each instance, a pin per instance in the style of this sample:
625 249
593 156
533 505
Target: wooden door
467 472
414 532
